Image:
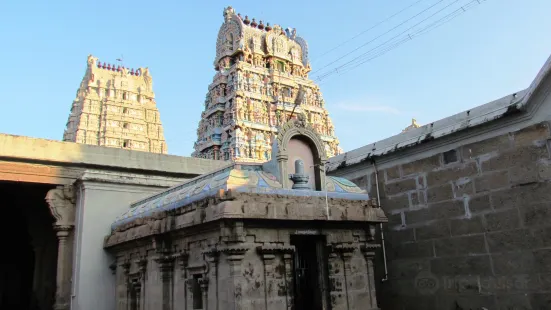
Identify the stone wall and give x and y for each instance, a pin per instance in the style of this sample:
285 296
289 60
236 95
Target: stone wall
468 228
254 273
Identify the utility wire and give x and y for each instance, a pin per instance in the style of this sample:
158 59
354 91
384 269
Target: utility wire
362 58
387 41
419 32
370 28
388 31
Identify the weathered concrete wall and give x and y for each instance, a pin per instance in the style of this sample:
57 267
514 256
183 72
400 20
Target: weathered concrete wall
101 197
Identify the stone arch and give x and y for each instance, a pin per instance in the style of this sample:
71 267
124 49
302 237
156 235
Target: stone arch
234 26
304 49
300 129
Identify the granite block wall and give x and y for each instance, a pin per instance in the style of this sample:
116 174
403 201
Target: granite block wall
469 228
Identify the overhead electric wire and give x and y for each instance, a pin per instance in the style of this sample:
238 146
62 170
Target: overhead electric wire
372 40
387 41
361 58
419 32
370 28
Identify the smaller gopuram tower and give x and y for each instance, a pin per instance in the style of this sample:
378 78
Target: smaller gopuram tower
115 107
261 82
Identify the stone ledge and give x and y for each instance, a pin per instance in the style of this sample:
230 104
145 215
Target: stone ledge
244 206
21 148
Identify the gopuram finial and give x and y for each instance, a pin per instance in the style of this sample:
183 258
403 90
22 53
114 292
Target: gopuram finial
228 12
413 125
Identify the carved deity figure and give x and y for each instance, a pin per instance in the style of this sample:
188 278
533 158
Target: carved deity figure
247 53
147 79
229 41
92 61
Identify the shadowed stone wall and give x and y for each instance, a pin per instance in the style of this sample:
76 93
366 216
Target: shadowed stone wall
469 227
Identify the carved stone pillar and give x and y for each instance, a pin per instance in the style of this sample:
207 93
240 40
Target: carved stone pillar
289 277
340 256
269 254
182 258
123 285
346 252
61 202
166 267
135 296
282 166
336 275
212 255
64 267
204 284
234 256
368 250
142 276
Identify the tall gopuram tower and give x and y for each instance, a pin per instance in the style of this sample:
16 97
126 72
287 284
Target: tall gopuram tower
115 107
261 82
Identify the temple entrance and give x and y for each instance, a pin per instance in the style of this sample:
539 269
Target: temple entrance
310 272
29 245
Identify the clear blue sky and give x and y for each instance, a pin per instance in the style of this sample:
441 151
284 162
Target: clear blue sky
492 50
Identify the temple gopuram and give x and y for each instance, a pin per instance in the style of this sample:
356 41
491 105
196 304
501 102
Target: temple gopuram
261 82
115 107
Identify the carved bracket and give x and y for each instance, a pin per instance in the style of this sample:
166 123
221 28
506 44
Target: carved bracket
235 253
126 267
204 283
182 258
166 264
142 265
61 201
345 250
212 254
368 249
270 251
113 267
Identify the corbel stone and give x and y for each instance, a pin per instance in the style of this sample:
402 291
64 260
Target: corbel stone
126 267
166 264
345 250
372 232
368 250
235 253
212 256
113 267
142 266
182 258
61 202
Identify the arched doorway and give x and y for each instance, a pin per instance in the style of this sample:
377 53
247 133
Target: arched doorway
28 267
